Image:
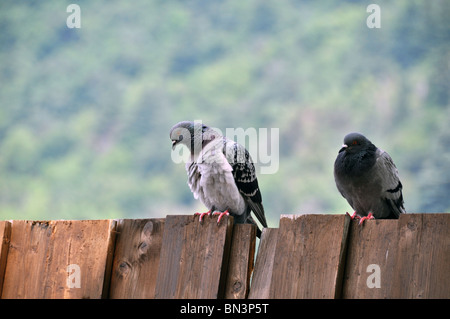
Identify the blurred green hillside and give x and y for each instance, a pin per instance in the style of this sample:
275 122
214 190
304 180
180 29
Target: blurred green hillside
85 113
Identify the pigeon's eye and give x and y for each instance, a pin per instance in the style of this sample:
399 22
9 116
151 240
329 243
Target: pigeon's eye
355 143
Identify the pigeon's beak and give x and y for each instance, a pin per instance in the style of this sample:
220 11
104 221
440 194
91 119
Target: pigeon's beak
174 144
344 147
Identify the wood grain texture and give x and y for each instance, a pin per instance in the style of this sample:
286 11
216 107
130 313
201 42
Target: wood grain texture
374 242
5 235
194 257
262 274
309 256
41 251
240 265
423 257
136 258
413 255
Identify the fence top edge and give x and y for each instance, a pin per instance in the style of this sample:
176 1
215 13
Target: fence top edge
295 216
289 216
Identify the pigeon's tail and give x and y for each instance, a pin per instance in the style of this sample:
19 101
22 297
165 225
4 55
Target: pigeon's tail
250 220
258 210
258 232
396 208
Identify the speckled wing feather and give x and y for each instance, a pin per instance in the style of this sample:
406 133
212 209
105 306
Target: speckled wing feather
245 177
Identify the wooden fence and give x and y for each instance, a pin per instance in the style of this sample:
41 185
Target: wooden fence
308 256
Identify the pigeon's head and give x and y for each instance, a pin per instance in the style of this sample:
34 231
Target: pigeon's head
191 134
355 143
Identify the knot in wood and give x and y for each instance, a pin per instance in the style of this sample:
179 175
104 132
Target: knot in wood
147 230
143 247
411 225
124 268
237 286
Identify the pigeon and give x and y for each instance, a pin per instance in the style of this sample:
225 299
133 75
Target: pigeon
220 173
368 179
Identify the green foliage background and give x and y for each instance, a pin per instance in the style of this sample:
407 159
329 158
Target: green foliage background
85 113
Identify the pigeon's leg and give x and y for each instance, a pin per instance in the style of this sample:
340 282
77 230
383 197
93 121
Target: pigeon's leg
370 216
354 216
221 214
202 215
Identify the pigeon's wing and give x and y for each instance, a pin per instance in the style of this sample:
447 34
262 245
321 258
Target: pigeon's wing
194 176
344 193
342 183
245 177
390 182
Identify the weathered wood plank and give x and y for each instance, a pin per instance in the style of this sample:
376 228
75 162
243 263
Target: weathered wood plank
262 275
59 259
407 258
5 233
309 256
193 257
423 257
240 265
25 266
136 258
170 256
371 245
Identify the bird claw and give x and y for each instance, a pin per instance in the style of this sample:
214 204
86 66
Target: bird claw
221 214
200 219
370 216
354 216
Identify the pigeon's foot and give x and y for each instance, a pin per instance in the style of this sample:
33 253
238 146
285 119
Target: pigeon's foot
370 216
200 219
221 214
354 216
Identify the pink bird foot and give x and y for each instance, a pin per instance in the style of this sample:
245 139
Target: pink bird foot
354 216
370 216
221 215
200 219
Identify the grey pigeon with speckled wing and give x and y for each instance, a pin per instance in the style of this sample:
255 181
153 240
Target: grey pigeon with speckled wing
367 177
220 173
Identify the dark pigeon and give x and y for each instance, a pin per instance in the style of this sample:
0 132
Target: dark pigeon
220 173
367 178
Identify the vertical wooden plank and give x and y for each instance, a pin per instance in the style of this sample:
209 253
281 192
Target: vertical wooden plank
262 275
25 265
373 243
240 265
411 256
309 256
423 257
136 258
204 258
193 257
170 256
88 244
5 233
59 259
